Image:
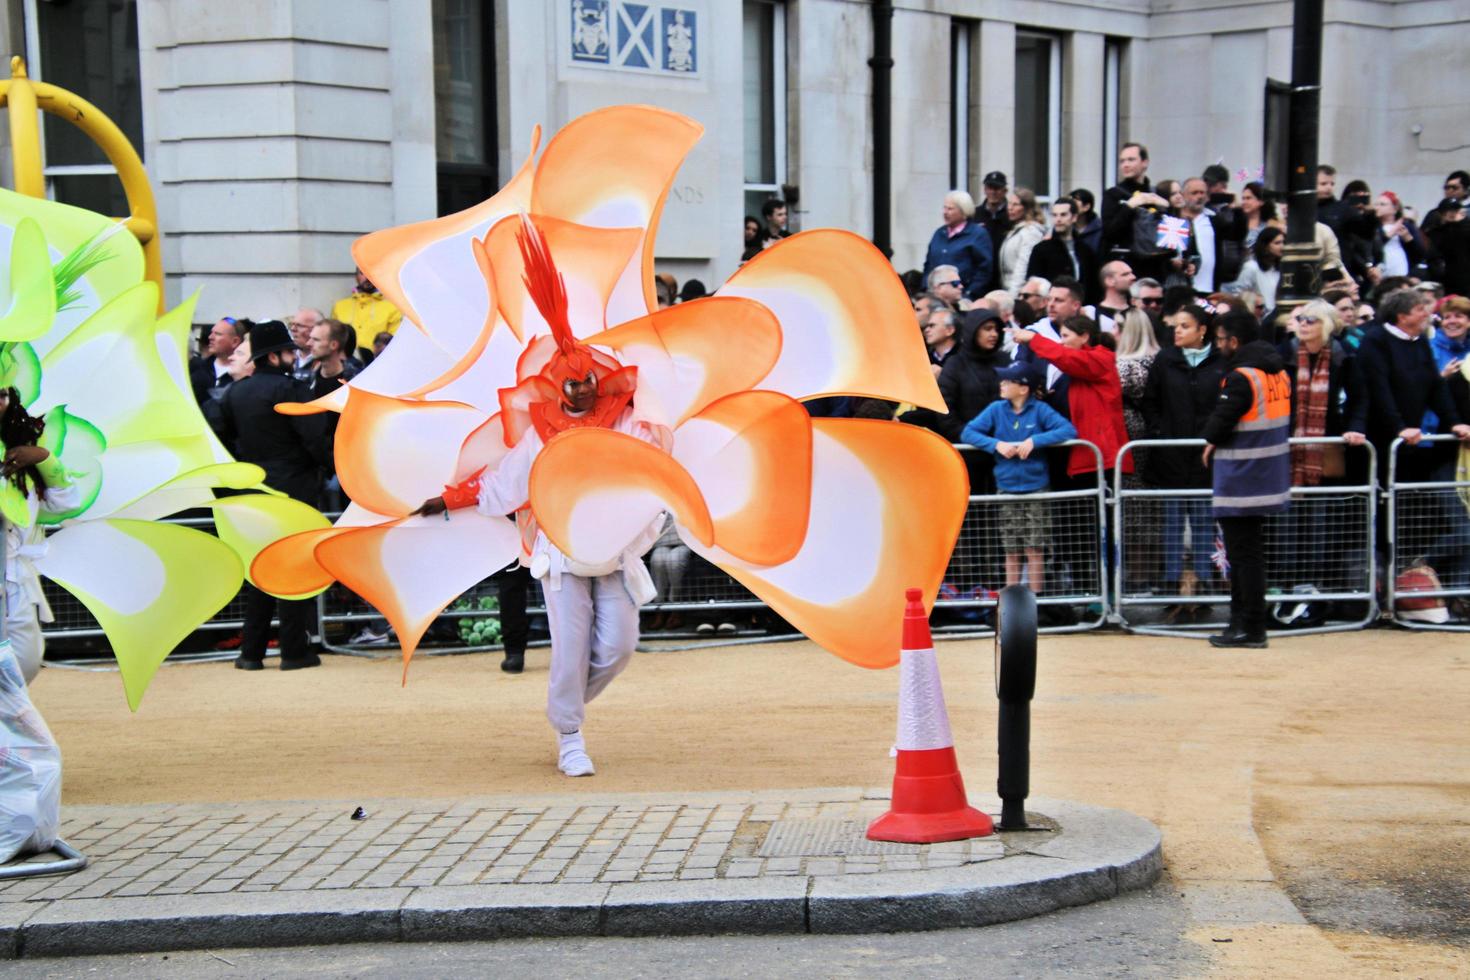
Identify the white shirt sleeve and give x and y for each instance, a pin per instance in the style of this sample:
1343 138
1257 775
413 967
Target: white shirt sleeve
507 487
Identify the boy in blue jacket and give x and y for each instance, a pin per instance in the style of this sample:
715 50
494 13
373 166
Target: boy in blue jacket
1013 428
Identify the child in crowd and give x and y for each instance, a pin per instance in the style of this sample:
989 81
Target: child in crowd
1013 428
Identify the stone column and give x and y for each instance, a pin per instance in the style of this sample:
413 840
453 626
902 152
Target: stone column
270 138
1082 111
995 122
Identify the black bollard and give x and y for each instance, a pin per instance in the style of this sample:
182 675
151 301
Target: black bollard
1015 685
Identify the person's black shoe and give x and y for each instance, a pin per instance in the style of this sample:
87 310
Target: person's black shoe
247 663
513 663
1239 639
310 660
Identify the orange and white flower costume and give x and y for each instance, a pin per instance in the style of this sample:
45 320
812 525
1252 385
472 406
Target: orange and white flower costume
826 520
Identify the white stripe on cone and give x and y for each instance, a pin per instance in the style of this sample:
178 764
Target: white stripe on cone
923 722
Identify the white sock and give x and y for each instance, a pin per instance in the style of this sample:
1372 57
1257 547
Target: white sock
572 758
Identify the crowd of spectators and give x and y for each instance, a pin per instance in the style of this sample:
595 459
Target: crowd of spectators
1115 321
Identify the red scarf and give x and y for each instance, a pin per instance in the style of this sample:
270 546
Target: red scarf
1310 420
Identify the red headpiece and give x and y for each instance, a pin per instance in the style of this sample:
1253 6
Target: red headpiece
549 362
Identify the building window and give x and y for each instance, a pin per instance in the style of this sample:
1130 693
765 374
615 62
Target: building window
1112 113
90 49
1038 112
464 103
764 41
960 34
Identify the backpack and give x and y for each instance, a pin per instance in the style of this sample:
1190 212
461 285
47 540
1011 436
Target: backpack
1146 232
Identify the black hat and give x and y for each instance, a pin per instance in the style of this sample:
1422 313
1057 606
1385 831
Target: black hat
1449 204
269 337
1021 372
994 179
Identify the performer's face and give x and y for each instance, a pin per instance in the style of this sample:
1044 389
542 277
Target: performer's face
579 394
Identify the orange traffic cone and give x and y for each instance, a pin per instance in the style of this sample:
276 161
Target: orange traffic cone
929 803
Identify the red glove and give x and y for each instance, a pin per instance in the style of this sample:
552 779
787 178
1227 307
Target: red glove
466 494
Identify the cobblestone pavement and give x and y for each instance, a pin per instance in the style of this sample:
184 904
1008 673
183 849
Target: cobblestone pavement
195 849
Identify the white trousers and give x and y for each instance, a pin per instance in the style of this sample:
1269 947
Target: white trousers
594 630
23 628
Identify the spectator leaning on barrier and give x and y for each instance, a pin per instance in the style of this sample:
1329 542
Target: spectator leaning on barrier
1403 384
1326 396
1012 429
969 382
963 243
1183 386
1248 452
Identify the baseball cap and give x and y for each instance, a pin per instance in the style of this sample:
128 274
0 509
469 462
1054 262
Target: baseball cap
1021 372
994 179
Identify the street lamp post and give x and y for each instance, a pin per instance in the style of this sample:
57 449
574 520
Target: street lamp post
1301 261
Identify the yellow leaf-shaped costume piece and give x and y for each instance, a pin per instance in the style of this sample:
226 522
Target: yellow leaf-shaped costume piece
148 585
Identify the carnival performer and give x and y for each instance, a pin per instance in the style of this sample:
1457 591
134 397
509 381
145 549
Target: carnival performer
592 609
43 482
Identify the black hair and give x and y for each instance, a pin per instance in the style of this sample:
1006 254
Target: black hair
1070 202
1084 196
1327 168
1175 298
1268 204
1142 150
1260 251
19 428
770 207
1070 285
1215 173
1241 325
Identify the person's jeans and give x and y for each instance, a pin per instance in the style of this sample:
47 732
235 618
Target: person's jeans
1201 536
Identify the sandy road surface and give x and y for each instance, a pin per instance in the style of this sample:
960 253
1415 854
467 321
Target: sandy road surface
1331 770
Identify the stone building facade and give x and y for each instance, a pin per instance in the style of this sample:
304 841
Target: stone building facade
277 131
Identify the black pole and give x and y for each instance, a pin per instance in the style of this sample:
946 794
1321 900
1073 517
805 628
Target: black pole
1301 263
882 65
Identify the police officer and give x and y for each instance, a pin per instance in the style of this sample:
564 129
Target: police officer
1247 435
294 453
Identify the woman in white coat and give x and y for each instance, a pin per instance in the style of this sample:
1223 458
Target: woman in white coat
1027 229
40 480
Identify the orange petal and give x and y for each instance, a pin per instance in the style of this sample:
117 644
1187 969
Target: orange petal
482 449
613 168
411 569
289 567
695 353
589 260
393 454
396 259
594 491
751 456
846 325
887 502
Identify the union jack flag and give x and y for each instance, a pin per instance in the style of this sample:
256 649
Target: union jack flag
1173 233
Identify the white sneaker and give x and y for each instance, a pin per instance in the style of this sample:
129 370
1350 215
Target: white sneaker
368 637
573 759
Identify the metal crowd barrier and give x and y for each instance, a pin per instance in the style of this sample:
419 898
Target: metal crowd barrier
1075 574
1428 527
1319 554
